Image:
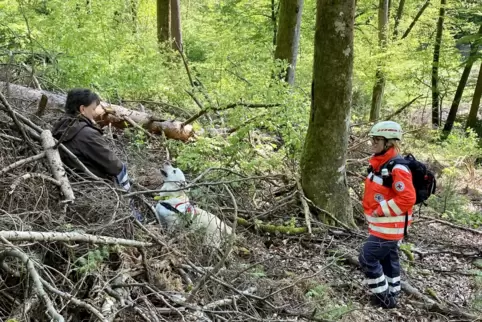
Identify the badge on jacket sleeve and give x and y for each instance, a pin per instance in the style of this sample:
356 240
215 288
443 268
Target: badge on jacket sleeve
399 186
379 197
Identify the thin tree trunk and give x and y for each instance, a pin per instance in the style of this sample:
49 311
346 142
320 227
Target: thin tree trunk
323 173
163 20
288 36
398 17
379 87
436 59
474 108
449 123
274 15
414 21
176 24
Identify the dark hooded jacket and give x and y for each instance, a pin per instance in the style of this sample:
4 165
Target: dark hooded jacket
85 140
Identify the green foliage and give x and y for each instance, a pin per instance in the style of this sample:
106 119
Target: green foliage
92 260
322 295
451 204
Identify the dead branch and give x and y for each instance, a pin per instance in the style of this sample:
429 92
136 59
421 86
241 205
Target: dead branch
75 300
192 185
29 176
56 165
232 238
475 231
306 208
329 215
35 279
42 104
22 162
12 235
227 301
11 112
229 106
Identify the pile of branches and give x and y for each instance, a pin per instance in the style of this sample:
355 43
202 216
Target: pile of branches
70 249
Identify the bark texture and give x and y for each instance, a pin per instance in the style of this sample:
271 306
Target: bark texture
288 36
435 63
323 173
176 24
163 20
474 108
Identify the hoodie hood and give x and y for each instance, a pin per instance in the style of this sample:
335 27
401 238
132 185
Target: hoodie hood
69 126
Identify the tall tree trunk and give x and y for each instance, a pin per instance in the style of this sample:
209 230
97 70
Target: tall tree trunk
288 36
449 123
323 172
414 21
436 59
474 108
398 17
163 20
176 24
274 18
379 87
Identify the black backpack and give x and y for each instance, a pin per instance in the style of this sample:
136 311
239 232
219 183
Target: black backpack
423 179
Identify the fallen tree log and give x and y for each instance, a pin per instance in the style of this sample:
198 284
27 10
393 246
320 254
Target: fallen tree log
108 113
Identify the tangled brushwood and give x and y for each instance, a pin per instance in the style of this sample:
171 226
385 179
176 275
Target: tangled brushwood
71 250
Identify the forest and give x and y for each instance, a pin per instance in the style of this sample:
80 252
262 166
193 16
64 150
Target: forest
269 109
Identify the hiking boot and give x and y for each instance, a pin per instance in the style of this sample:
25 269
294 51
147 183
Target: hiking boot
388 302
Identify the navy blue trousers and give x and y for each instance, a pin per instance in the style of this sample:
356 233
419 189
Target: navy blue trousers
381 265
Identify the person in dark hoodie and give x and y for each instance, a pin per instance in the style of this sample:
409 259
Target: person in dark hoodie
77 130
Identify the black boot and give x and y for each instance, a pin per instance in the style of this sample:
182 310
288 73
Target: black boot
388 301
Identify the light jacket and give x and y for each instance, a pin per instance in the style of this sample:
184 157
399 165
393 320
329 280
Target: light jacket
391 204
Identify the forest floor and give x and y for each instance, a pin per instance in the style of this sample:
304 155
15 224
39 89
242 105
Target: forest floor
268 276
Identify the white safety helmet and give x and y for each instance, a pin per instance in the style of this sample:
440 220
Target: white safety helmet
387 129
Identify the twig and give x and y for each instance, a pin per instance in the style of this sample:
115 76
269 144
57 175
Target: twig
12 114
475 231
226 253
35 279
32 175
70 236
306 208
300 279
329 215
229 106
227 301
199 185
74 300
22 162
137 126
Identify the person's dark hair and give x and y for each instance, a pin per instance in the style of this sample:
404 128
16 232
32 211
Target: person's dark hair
77 97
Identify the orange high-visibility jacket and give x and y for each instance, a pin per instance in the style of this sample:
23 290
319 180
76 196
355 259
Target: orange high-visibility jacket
391 204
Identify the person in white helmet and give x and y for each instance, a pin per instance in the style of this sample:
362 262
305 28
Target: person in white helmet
388 201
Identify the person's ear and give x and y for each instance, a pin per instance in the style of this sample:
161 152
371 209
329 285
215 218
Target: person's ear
81 109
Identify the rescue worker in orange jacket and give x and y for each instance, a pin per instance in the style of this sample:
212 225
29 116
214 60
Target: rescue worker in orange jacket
387 203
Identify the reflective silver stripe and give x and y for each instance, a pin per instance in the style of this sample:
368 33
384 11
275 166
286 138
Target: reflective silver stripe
386 220
385 230
376 179
380 289
393 280
385 209
394 289
394 207
375 280
401 167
